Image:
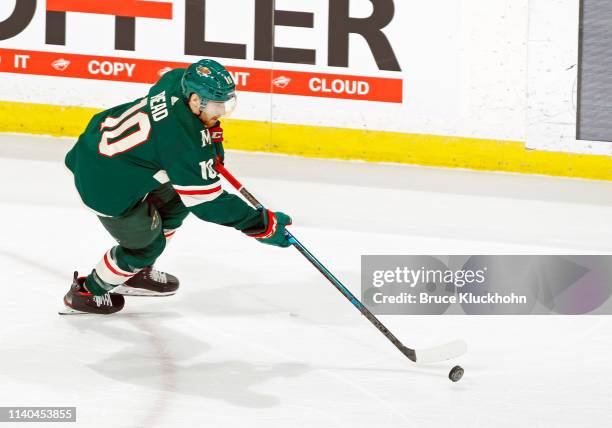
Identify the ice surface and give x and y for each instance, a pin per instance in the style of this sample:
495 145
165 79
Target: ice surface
257 338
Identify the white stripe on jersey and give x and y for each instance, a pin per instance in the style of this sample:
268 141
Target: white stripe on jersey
161 176
195 195
111 122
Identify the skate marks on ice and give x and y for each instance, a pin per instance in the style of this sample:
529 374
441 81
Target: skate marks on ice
36 263
153 355
281 340
274 299
323 376
171 362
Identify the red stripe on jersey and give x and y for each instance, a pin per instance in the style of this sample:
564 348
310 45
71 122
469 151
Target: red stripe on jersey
116 272
198 192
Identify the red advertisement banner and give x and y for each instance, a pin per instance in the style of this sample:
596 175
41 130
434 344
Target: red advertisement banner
248 79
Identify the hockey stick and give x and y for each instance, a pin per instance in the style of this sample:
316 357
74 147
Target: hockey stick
429 355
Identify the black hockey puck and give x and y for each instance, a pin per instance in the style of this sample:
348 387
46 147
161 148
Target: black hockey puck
456 373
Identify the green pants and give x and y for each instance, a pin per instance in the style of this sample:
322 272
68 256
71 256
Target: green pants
140 235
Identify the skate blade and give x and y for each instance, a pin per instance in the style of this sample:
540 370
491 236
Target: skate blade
140 292
67 310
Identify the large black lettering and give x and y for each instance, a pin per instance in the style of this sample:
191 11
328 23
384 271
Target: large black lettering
125 30
125 33
55 29
266 19
195 35
341 25
18 20
264 30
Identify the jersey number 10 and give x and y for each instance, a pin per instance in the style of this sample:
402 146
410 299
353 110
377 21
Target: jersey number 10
114 141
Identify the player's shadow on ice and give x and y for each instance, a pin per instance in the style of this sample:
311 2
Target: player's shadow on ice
156 357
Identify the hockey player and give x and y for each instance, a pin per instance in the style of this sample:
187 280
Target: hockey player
142 167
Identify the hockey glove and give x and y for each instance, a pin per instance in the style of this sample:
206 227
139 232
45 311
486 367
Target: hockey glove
273 231
216 136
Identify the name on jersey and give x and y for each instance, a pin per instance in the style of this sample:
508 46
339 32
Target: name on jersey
159 109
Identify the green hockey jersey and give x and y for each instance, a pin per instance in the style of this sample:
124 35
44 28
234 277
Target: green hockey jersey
130 150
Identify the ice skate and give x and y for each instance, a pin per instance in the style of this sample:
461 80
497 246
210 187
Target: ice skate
149 282
80 301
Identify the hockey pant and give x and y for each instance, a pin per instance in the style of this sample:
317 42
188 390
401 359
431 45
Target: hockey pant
142 234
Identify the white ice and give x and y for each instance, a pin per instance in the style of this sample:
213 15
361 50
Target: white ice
257 338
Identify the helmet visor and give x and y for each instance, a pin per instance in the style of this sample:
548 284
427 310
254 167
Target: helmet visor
220 109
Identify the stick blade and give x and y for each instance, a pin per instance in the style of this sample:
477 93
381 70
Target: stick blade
443 352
